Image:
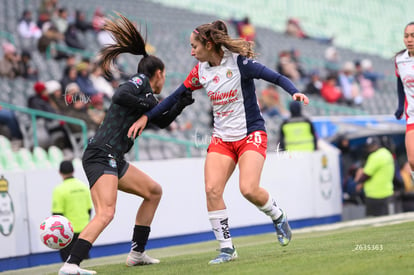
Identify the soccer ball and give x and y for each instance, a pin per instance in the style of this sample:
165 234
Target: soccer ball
56 232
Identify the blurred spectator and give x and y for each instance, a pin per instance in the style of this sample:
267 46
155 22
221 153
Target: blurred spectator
350 88
83 80
60 20
99 82
377 178
70 74
27 68
245 29
72 38
9 65
40 101
314 85
365 84
369 73
8 118
332 61
98 20
96 109
297 133
78 108
294 28
81 23
287 66
330 90
50 38
47 9
56 97
28 30
270 103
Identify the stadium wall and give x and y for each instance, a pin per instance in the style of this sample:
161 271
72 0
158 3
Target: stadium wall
306 185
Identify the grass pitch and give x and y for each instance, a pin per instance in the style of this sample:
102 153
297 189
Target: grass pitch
361 249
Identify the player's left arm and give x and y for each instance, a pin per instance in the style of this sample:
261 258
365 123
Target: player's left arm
253 69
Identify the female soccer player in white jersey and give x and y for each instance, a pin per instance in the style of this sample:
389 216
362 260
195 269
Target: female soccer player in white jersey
404 70
227 73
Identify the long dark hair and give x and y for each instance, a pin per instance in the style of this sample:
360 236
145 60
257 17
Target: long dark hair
216 32
403 50
128 40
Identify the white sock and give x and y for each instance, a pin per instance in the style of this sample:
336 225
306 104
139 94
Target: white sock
220 224
271 209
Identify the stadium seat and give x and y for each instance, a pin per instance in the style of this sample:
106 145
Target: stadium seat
40 158
9 161
25 159
55 155
4 143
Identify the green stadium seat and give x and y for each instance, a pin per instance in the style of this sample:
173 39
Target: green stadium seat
9 161
41 158
24 159
55 155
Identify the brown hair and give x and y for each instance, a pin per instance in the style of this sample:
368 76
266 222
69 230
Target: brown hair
128 40
216 32
401 51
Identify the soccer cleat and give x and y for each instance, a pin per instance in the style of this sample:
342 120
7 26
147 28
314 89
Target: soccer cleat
138 258
283 231
73 269
227 254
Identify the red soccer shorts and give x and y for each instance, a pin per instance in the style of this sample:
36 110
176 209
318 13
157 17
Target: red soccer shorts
256 141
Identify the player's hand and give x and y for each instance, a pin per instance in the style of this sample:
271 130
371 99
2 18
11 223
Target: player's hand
399 113
186 98
137 128
301 97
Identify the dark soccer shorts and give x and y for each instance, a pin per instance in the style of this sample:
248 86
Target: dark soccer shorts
97 162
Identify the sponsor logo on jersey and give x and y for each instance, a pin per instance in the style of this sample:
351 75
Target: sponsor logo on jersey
216 79
221 98
409 81
136 81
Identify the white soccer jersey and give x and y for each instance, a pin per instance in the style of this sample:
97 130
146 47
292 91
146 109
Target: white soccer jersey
235 108
231 89
404 68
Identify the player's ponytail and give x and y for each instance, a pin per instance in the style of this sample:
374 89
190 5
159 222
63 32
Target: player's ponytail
127 40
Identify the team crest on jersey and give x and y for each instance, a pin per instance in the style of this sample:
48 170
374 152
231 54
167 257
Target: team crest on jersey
112 163
216 79
229 73
136 81
194 81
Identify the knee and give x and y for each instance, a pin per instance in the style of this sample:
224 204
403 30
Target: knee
248 191
156 192
212 192
106 215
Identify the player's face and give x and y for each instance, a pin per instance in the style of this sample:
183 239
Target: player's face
198 50
409 38
159 82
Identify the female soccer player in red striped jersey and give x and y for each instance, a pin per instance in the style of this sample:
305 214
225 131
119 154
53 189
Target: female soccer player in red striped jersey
227 72
404 70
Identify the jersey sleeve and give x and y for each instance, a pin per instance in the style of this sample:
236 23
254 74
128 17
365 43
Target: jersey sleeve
192 81
136 93
250 68
397 73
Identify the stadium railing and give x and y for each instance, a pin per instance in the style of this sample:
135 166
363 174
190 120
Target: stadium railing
37 113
